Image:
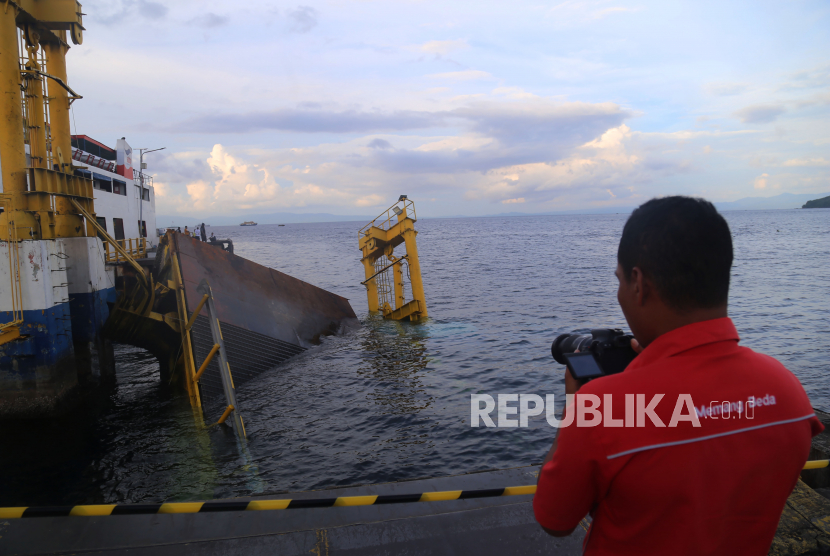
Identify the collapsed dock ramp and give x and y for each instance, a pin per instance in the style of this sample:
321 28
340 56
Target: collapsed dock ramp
259 299
265 316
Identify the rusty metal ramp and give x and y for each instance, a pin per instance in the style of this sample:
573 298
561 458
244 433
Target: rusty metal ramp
265 316
257 298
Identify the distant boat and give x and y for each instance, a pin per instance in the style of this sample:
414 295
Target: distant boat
249 223
281 224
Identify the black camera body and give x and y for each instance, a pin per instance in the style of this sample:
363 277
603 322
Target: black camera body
604 351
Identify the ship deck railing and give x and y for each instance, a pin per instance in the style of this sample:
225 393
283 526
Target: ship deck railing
136 247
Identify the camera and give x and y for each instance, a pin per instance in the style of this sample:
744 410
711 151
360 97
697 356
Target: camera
605 351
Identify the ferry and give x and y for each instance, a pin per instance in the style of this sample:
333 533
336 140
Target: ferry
248 223
117 188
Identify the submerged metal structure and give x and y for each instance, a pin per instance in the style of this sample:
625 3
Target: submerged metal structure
196 294
377 241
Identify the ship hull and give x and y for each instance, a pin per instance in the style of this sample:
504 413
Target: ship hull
64 286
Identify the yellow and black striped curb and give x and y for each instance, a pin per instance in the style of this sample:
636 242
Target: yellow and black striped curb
254 505
283 504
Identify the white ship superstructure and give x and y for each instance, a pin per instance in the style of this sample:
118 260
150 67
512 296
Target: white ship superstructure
125 201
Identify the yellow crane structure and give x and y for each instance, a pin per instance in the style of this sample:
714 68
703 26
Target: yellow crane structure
377 242
38 186
34 109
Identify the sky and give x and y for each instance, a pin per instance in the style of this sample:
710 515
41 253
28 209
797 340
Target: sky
469 108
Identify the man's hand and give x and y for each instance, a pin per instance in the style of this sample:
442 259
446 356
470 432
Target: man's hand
635 345
571 384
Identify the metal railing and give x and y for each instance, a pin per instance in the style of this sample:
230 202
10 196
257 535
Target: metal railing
389 218
135 247
140 177
92 160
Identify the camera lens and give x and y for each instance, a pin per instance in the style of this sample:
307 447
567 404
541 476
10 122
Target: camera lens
569 343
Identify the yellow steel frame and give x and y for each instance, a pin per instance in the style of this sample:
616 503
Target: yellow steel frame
187 346
377 241
43 180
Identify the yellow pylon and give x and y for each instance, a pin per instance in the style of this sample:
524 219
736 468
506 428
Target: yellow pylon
377 242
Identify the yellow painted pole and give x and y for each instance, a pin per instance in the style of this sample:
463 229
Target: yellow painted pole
68 223
187 347
225 415
415 268
35 106
59 103
196 312
206 362
12 150
371 285
397 273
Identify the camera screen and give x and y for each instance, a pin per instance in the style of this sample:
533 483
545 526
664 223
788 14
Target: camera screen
583 365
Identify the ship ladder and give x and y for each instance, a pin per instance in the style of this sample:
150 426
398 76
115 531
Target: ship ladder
232 410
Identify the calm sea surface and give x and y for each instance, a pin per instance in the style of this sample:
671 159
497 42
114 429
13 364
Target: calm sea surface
391 401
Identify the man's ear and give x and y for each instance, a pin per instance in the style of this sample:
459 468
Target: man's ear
641 286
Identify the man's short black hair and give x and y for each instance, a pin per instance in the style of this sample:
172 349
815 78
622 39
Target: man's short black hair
684 245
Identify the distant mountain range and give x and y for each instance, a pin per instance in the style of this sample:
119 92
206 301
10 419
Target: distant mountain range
782 201
163 220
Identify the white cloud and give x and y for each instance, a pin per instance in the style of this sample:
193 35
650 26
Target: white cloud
599 14
761 181
585 11
725 88
807 162
760 114
443 47
465 75
513 92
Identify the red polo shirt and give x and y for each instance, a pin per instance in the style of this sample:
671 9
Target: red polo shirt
717 488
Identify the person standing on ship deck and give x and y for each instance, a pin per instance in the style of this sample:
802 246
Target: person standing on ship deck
694 481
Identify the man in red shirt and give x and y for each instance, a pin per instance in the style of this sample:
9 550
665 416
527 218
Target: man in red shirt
701 441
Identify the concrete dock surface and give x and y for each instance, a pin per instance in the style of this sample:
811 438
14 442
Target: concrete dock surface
482 526
497 525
